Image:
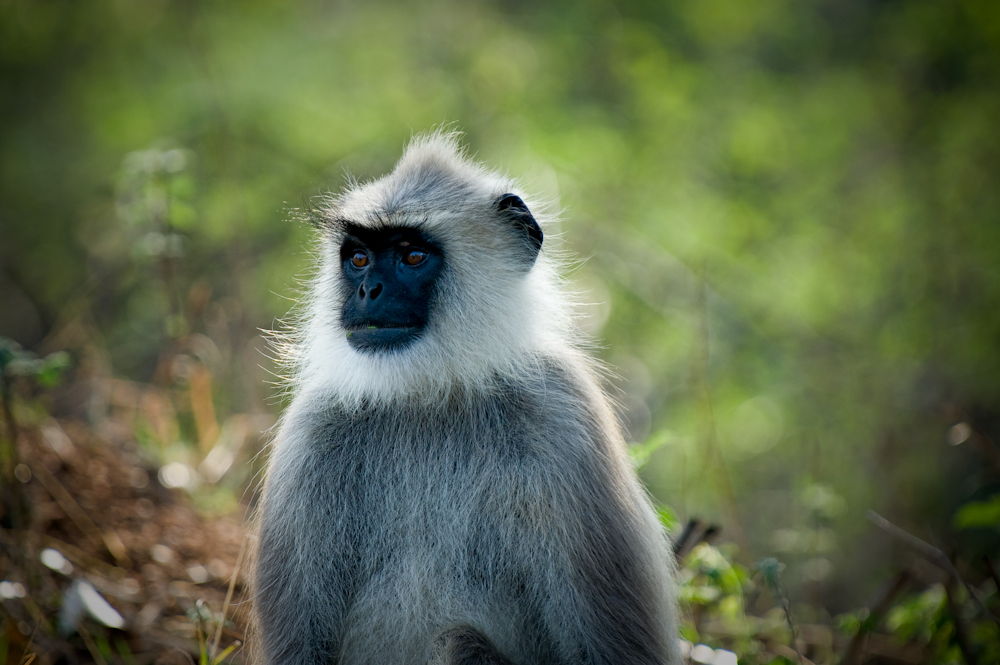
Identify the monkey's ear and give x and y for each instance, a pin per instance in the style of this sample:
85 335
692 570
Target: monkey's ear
513 208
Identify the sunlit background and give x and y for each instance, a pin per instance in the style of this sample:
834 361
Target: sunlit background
787 215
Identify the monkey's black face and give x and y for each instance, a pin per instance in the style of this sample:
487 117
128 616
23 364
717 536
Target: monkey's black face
389 276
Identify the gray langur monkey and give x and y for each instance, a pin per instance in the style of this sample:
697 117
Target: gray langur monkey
449 483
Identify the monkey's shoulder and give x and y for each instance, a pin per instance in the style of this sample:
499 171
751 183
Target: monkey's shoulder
557 409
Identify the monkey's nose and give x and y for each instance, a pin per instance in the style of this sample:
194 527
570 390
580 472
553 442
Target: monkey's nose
373 293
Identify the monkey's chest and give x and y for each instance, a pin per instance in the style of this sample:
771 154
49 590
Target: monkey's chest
435 517
429 555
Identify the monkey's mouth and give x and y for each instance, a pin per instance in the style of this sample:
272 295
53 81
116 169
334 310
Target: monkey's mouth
382 338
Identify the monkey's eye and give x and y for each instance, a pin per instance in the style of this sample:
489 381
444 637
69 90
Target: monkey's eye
359 259
414 257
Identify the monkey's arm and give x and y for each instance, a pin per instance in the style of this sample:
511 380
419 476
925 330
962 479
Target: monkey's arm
606 575
608 599
303 572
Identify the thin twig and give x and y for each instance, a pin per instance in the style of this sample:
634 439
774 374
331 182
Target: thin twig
26 658
924 549
229 597
993 574
108 539
75 555
95 652
932 554
770 569
786 605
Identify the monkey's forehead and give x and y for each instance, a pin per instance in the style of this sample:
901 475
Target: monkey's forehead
433 178
412 200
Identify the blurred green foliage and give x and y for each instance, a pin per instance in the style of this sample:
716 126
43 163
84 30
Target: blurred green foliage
979 514
789 213
16 362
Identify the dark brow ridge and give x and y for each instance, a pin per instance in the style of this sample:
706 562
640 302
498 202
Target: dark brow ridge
395 235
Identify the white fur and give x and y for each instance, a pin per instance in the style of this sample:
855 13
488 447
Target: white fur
493 320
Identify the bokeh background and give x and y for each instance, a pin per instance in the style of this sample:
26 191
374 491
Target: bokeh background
786 215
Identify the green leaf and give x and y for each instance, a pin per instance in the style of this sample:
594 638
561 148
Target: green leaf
225 652
641 452
52 368
668 518
770 568
978 514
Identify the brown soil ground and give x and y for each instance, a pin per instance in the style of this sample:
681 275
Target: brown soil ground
143 547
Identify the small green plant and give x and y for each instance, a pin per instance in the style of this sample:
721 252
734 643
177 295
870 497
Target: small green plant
203 616
16 363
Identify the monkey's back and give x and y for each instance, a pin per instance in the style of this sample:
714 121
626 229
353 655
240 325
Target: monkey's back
510 510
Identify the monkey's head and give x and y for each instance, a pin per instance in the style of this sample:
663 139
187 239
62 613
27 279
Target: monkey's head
431 278
391 273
